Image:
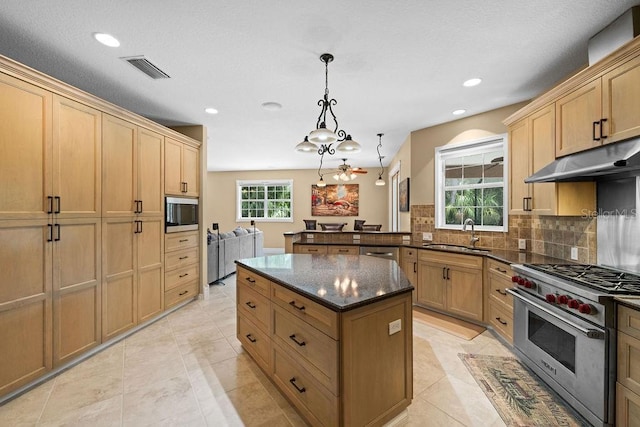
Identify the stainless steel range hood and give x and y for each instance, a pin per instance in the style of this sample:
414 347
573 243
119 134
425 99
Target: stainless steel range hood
611 159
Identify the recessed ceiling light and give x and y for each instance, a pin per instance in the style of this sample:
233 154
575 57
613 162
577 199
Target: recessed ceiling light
472 82
106 39
458 112
211 110
271 106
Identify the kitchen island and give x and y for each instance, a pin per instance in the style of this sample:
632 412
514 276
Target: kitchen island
333 333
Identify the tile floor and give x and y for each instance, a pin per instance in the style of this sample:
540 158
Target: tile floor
188 369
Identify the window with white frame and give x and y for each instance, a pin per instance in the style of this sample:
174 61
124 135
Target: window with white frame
470 183
269 200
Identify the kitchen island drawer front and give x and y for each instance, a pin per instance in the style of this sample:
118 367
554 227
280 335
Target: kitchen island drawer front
501 320
316 403
311 249
319 352
255 341
311 312
180 258
253 281
343 250
175 241
629 362
450 259
254 306
629 321
175 278
180 293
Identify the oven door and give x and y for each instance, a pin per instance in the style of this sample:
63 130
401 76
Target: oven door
569 354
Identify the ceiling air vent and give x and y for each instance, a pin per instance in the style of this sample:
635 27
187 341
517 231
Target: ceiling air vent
147 67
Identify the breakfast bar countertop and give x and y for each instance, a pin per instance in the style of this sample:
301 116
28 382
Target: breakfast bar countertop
338 282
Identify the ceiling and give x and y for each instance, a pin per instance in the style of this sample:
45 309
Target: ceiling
399 66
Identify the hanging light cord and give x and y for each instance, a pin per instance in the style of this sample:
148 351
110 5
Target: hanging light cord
320 167
379 156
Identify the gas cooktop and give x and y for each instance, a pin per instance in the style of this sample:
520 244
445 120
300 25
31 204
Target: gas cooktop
606 279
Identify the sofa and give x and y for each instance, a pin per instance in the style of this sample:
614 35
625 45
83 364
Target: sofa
232 245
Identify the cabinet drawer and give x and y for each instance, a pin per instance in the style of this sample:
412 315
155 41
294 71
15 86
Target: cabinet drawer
501 319
409 254
499 269
254 306
451 259
180 293
253 281
175 241
180 276
627 407
320 317
255 342
316 403
343 250
629 321
311 249
497 289
180 258
629 362
317 352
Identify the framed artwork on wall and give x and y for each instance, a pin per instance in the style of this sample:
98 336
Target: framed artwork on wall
335 200
403 195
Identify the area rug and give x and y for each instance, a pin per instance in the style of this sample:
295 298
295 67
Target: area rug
520 398
459 328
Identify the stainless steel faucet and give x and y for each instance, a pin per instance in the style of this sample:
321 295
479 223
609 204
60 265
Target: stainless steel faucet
473 239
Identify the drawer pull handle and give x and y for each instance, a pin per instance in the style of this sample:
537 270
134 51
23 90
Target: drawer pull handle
183 275
183 240
250 338
500 320
300 343
501 292
298 307
343 250
250 304
313 250
250 280
183 293
183 257
300 390
501 270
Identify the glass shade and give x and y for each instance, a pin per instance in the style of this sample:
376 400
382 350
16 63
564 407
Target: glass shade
321 183
349 146
306 146
322 135
380 181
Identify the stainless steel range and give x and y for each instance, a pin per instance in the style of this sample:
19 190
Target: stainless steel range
564 331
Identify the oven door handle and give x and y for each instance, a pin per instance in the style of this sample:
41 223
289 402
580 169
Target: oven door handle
590 333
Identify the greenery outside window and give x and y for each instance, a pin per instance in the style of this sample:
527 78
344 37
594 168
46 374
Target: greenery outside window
470 183
270 201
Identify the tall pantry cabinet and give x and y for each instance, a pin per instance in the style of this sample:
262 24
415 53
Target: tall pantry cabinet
81 222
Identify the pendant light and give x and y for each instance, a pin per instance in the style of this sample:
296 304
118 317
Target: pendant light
380 181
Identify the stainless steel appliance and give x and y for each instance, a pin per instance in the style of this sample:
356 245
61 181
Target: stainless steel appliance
564 331
387 252
181 214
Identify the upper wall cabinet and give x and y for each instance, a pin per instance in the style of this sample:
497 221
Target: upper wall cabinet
621 102
181 169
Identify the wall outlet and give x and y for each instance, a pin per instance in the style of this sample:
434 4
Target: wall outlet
309 236
574 253
522 243
427 236
356 237
406 238
395 326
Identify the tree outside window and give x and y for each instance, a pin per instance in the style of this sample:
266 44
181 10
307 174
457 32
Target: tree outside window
265 200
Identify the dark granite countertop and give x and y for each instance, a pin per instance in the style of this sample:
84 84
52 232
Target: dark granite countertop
339 282
631 301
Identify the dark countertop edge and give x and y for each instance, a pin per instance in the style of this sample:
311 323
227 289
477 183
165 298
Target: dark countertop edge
629 301
325 303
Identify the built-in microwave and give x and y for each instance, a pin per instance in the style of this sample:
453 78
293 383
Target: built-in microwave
181 214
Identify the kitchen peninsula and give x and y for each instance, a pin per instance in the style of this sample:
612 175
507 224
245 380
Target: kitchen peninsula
333 332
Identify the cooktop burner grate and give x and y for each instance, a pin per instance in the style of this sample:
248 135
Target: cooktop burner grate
594 276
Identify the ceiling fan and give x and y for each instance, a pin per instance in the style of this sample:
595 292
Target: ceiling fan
346 173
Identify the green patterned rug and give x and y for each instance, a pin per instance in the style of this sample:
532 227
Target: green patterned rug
519 397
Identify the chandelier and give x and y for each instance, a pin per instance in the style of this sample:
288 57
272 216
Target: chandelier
322 138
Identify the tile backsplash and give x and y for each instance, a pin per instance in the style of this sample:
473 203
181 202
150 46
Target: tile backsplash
547 235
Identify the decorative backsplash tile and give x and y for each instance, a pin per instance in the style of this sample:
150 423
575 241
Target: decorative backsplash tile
546 235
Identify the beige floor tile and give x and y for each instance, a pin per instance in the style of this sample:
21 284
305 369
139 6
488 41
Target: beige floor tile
105 413
252 404
26 409
423 413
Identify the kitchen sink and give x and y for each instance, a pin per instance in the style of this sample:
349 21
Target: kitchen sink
454 248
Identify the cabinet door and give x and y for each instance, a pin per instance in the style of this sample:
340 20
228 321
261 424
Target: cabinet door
150 166
519 153
25 302
172 167
119 296
76 288
25 155
77 159
621 102
542 128
464 292
119 166
190 170
431 284
577 115
150 272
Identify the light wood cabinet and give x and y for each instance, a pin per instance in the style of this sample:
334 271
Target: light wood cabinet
499 312
531 147
409 265
310 249
343 250
150 268
451 283
621 102
628 381
182 268
182 165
